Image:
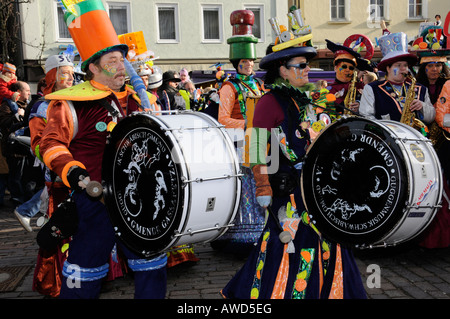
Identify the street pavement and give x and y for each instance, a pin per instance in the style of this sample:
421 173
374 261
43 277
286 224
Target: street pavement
403 272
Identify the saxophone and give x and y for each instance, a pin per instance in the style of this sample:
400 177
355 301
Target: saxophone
408 116
351 94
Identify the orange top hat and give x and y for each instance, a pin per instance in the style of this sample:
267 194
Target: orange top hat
91 30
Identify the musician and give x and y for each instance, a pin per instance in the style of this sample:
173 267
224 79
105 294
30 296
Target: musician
75 154
384 100
236 94
433 73
308 266
345 64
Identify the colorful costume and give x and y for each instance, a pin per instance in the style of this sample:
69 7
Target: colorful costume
308 265
235 112
79 120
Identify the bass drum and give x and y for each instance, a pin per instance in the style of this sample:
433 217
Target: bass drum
170 180
371 183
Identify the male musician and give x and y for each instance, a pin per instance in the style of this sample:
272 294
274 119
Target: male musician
386 99
345 64
72 146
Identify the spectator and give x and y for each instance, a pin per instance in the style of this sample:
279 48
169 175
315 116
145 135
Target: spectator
7 78
9 123
169 92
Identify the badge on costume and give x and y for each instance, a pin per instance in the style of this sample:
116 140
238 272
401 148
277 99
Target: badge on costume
111 126
101 126
325 118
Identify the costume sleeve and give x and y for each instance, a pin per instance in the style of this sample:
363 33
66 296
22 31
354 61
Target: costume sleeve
56 138
37 126
443 105
4 89
227 100
268 115
428 110
367 104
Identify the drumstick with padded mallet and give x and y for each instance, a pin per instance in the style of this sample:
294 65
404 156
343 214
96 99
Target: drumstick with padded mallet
284 236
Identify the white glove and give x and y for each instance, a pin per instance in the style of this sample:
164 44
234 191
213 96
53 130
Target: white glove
264 201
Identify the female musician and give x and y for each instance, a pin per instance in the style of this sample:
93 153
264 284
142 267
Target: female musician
435 74
309 265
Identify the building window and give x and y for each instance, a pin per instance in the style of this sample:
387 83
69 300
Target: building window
258 26
416 9
62 32
338 10
167 23
376 10
119 14
212 23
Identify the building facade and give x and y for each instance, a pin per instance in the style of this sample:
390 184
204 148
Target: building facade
194 33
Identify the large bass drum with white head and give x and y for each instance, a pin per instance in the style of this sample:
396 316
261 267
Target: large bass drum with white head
170 180
371 183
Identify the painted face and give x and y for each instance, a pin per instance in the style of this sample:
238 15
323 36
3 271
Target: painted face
296 71
433 70
112 70
344 71
397 71
64 77
245 67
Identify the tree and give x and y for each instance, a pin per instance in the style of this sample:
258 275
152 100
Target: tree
10 37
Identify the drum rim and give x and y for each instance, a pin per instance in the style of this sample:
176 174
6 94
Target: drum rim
412 185
323 223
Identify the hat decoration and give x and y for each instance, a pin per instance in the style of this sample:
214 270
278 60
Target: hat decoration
290 43
140 58
242 42
394 47
432 44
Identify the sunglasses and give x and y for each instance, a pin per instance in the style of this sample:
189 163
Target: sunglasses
298 66
345 66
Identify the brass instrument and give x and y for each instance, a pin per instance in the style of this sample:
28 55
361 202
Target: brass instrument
408 116
351 94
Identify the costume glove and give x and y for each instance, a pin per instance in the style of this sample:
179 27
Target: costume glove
75 176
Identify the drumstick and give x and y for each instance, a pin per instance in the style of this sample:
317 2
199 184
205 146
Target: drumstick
94 189
284 236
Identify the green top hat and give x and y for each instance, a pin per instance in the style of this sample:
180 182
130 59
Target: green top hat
242 43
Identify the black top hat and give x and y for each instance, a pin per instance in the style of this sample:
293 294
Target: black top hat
171 76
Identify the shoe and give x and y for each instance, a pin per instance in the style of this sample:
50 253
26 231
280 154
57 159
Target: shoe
24 221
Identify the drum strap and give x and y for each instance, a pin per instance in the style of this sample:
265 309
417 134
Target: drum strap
111 109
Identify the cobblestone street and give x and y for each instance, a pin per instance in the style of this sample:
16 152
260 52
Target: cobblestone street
405 272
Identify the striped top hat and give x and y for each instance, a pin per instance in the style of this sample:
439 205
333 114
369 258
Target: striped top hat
91 30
